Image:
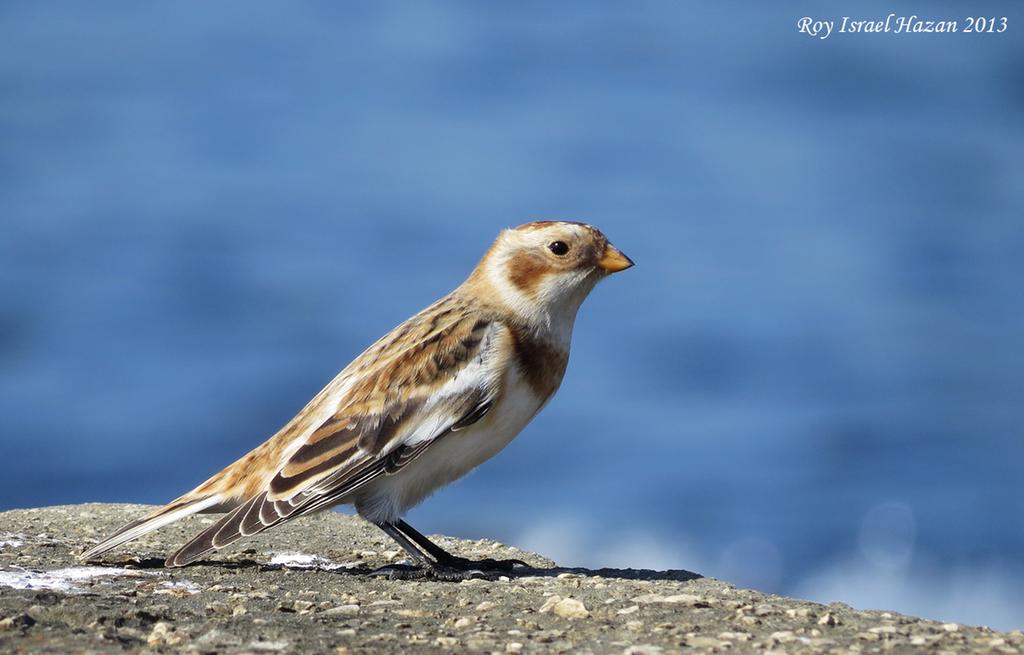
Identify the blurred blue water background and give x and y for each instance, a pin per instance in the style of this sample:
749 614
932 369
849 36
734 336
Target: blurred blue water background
811 383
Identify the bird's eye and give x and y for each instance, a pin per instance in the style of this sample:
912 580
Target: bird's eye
558 247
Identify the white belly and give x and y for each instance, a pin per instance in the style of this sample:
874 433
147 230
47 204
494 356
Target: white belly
387 498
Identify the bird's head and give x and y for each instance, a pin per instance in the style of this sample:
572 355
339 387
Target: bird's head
544 270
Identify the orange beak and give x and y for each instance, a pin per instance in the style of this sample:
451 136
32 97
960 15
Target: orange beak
613 260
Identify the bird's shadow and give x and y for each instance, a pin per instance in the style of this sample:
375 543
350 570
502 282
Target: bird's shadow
677 575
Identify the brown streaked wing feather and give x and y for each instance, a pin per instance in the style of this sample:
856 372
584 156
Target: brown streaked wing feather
373 419
354 446
258 514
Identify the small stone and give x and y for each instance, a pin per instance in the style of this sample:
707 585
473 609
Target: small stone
677 599
479 643
869 636
219 607
513 647
302 605
634 625
570 608
783 636
448 642
828 618
549 603
342 610
629 610
703 642
164 635
485 606
951 627
883 629
419 614
262 646
643 649
567 608
463 622
22 620
918 640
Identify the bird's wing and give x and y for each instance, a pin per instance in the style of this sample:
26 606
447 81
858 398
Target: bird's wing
430 376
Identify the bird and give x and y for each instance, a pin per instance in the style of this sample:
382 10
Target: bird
428 402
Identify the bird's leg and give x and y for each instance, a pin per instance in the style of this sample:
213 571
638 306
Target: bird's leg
444 566
417 555
446 559
425 567
422 562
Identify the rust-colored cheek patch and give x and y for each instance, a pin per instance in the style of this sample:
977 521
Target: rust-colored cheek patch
525 272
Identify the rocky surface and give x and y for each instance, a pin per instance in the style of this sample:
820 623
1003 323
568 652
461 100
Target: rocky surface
304 588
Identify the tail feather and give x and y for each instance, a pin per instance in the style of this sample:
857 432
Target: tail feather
224 532
165 515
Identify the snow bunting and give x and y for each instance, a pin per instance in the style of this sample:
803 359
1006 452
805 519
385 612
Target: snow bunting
431 400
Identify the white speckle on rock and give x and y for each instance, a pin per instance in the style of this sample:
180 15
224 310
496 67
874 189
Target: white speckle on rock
178 588
60 579
269 645
680 599
8 540
305 561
